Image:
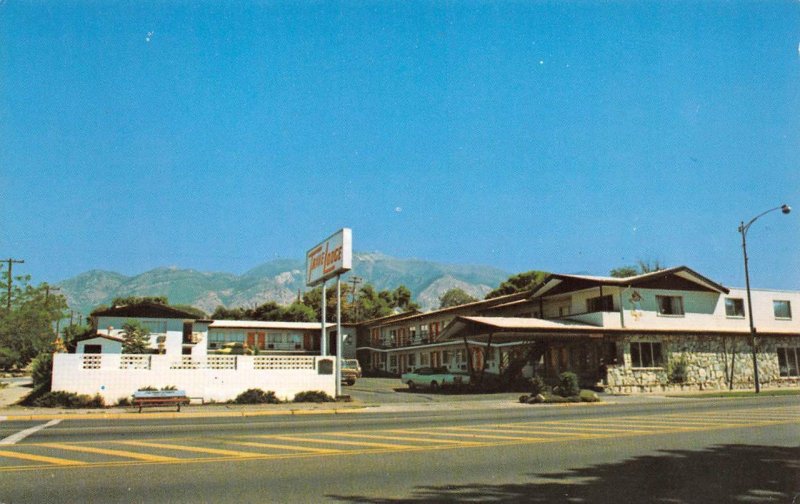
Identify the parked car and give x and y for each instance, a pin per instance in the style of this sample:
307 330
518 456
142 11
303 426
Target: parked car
353 363
350 371
434 378
234 348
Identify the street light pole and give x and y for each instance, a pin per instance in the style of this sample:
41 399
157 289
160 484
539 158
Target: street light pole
743 230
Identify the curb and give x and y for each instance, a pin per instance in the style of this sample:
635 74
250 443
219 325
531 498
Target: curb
173 415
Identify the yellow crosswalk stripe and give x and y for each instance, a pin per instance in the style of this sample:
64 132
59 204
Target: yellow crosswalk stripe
104 451
193 449
285 447
475 435
40 458
528 431
582 428
343 442
404 438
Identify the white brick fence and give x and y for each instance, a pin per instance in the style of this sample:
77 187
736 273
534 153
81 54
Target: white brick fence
212 378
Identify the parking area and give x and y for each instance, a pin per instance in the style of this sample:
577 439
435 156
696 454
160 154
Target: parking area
392 391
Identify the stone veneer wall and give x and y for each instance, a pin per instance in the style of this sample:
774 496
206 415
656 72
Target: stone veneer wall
708 360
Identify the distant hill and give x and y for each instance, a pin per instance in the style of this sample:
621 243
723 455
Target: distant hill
278 280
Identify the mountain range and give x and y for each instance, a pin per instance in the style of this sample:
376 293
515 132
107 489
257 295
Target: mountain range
278 280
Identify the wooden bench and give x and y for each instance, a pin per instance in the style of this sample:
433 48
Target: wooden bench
155 398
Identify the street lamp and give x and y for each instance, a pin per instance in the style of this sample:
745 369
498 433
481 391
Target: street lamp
743 229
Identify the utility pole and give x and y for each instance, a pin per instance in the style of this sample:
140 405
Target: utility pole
47 289
355 281
10 262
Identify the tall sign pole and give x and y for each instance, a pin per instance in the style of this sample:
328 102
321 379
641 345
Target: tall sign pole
323 339
329 259
338 335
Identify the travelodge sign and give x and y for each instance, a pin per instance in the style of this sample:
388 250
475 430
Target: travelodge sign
332 257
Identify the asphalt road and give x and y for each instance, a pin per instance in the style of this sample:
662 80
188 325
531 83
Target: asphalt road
691 451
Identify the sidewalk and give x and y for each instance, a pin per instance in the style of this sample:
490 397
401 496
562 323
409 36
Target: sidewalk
367 403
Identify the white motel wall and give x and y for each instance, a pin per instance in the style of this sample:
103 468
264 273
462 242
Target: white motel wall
212 378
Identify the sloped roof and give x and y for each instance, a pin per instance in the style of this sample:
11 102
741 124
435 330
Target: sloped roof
470 326
145 309
679 277
258 324
481 304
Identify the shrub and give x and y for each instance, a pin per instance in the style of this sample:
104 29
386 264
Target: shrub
568 384
677 370
123 401
61 399
538 386
588 396
313 396
42 372
256 396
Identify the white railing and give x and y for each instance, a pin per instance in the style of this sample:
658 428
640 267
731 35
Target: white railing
134 362
92 361
264 362
221 362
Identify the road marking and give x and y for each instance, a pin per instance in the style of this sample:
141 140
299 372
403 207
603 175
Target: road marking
41 458
285 447
193 449
471 435
103 451
404 438
476 438
343 442
19 436
600 428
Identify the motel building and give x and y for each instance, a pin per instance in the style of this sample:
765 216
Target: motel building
669 330
626 335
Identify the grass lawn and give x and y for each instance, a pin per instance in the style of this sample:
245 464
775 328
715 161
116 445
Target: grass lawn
737 393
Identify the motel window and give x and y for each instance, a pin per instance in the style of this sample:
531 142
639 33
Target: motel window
412 333
646 354
423 331
670 305
412 360
423 359
393 360
734 307
93 349
600 304
446 358
782 309
788 361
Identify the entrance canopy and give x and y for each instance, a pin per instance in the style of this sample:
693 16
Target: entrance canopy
506 329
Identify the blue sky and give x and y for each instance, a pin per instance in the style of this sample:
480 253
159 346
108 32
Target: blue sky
564 136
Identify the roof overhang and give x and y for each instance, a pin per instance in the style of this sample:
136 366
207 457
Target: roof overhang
680 277
511 328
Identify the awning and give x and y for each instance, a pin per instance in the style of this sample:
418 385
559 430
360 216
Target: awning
517 328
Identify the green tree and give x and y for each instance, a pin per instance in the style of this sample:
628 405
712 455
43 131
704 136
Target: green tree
298 312
28 328
455 297
401 298
518 283
624 272
641 267
136 338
